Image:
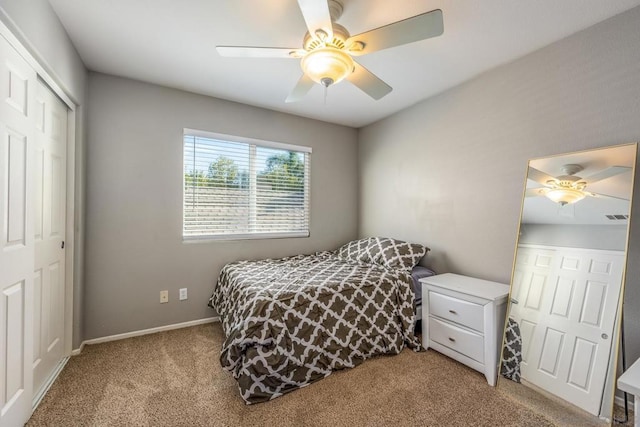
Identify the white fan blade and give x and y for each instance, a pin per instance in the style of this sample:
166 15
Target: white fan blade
538 176
317 16
606 173
302 87
367 82
604 196
259 52
533 192
410 30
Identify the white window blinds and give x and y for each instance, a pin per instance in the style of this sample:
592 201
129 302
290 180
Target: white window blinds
238 188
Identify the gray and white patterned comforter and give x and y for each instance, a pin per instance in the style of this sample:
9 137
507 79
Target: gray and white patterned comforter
292 321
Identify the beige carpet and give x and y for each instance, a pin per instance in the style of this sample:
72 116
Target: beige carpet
174 379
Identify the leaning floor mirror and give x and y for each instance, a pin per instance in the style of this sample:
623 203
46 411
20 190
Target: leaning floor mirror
562 333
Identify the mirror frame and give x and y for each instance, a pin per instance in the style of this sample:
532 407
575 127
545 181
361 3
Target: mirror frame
610 383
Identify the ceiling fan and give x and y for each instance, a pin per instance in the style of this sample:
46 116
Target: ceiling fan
327 49
570 188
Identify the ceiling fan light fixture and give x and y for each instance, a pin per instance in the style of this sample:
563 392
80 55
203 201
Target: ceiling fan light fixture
565 196
327 65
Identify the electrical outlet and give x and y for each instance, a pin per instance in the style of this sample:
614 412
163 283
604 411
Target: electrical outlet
164 297
183 294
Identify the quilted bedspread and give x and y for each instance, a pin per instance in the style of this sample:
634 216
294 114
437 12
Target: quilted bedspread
292 321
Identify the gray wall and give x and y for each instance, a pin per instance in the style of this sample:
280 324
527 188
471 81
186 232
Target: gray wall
605 237
449 171
134 200
38 28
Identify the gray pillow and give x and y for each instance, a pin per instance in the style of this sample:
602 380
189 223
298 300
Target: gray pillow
393 253
418 272
357 250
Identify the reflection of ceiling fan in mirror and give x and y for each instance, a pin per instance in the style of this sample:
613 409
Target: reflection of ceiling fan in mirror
570 188
328 49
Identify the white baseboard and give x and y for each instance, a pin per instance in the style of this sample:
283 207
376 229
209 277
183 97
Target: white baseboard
77 351
144 332
47 385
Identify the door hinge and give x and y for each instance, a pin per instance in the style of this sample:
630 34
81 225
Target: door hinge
62 245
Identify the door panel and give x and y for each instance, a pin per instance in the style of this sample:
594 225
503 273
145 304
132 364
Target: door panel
37 312
57 203
50 151
17 188
18 77
567 318
13 304
17 96
582 359
55 301
548 361
563 297
535 291
594 299
38 193
527 328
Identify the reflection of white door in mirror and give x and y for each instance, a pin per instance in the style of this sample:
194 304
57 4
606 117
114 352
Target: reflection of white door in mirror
567 307
568 277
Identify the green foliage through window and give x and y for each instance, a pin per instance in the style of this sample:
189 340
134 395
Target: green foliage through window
284 172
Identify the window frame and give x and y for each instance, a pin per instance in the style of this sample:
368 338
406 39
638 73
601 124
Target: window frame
256 143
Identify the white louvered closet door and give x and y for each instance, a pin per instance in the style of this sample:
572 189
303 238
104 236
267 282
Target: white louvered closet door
18 84
49 232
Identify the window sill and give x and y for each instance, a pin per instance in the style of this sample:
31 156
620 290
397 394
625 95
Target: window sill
239 237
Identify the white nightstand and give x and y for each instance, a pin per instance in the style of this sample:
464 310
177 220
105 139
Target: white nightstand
463 318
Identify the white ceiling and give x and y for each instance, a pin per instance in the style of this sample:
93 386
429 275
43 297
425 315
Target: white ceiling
541 210
172 43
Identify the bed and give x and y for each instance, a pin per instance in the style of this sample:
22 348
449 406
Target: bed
292 321
418 272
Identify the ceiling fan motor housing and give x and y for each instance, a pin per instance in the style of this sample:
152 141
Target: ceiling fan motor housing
571 169
327 62
327 65
569 181
568 188
338 41
335 9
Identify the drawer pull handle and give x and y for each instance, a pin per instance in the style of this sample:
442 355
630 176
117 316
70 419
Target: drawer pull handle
453 312
452 339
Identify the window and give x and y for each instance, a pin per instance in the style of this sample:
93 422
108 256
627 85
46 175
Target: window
240 188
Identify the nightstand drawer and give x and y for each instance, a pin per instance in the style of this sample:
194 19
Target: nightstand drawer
465 342
462 312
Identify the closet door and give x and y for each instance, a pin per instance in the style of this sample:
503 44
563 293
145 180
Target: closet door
49 231
18 84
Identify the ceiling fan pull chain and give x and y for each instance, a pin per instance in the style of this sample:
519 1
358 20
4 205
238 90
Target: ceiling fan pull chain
325 94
